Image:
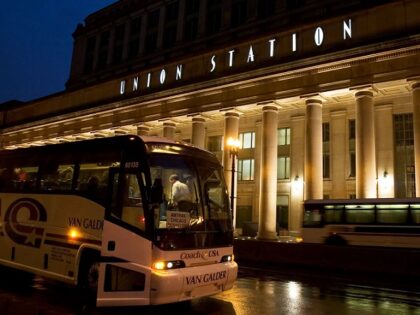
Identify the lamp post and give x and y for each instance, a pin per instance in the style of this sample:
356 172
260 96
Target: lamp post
233 146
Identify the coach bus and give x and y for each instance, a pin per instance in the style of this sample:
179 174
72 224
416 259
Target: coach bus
99 214
389 222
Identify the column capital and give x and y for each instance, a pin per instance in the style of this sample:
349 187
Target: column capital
199 119
313 101
232 114
270 108
415 85
414 82
364 93
364 90
169 124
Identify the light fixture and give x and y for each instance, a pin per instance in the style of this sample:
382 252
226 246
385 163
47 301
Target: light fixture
385 174
296 178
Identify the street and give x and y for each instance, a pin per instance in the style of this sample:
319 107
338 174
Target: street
257 292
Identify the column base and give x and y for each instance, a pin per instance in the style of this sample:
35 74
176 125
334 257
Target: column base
269 236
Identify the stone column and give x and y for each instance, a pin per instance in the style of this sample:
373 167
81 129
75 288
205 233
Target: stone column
268 190
257 171
143 130
313 150
384 141
365 146
297 165
169 130
416 126
231 131
198 132
338 154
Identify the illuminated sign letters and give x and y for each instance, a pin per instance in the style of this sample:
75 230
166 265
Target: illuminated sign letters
167 74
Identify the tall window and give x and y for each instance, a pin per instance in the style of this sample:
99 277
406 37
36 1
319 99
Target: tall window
247 140
118 44
152 31
90 54
283 136
215 143
283 151
404 156
326 150
295 4
283 167
191 19
282 212
214 16
246 169
171 25
238 12
103 49
266 8
352 147
134 43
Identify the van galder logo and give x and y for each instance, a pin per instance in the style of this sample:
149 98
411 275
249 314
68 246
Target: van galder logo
22 220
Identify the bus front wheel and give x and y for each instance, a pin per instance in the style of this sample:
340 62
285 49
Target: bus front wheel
88 278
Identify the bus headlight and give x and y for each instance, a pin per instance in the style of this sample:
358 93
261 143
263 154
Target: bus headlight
165 265
227 258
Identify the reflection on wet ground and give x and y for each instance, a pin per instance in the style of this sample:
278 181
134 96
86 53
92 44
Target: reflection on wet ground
258 291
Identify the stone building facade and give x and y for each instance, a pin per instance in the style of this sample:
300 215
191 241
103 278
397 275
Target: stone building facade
324 95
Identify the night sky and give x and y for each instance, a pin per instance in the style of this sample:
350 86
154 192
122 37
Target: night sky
36 45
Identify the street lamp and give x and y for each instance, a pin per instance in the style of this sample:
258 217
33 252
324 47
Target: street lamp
233 146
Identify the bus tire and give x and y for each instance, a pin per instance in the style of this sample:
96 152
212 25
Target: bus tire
88 277
335 239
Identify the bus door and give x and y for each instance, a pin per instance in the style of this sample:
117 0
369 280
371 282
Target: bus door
125 272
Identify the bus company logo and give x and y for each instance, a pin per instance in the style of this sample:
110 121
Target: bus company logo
206 278
21 222
204 255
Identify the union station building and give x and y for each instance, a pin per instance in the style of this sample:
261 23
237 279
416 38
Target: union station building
324 96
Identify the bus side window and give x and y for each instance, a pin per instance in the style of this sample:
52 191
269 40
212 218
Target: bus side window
24 178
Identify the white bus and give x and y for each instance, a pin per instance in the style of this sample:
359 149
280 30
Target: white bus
388 222
100 214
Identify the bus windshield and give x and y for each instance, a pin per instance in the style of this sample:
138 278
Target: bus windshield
189 203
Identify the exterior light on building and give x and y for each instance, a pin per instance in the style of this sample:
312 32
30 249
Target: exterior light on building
385 185
233 146
297 187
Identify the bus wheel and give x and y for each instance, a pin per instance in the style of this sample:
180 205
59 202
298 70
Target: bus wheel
335 239
88 280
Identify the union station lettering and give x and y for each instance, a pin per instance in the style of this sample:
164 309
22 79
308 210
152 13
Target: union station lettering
162 76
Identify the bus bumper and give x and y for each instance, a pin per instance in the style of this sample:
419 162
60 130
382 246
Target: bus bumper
188 283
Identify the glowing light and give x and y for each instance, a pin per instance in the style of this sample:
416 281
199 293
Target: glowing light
74 233
233 144
293 290
159 265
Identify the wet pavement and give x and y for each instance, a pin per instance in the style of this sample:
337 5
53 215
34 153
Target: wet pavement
258 291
